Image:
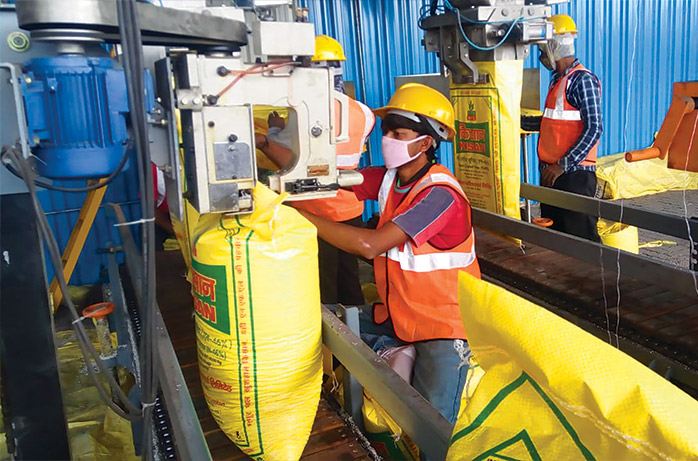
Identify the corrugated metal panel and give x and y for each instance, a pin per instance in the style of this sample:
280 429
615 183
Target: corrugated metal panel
638 48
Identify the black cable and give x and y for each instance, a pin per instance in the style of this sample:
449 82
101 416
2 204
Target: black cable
433 6
39 181
131 43
84 342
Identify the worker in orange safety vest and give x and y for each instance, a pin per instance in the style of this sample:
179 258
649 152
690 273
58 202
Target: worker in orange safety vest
423 240
570 130
339 270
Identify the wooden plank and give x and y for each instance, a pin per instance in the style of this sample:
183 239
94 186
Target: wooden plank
78 235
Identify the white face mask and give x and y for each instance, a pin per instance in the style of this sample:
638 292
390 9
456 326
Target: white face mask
396 152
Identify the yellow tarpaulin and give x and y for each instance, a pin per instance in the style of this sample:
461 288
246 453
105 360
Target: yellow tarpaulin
620 179
552 391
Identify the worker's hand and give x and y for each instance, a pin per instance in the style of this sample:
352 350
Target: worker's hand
276 120
550 175
260 141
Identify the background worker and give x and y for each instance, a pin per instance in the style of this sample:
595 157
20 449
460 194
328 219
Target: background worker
339 270
423 239
570 130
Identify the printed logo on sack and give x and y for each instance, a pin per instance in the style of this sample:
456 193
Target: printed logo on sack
210 295
472 138
472 115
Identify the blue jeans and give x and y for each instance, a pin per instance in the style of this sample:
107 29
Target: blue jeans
438 374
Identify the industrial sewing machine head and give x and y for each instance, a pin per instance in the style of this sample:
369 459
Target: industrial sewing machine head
224 58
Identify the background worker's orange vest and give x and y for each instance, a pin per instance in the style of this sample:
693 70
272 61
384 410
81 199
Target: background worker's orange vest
345 206
360 124
562 124
419 285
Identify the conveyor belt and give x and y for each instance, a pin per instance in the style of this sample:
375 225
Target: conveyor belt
651 317
330 437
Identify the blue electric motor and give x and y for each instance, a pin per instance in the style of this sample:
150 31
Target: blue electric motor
76 108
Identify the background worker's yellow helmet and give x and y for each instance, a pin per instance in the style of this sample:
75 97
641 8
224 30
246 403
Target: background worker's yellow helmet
328 49
563 24
422 100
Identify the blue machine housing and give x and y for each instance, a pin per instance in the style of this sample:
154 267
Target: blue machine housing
76 108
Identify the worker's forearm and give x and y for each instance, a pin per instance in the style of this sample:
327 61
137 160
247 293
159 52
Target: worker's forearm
278 154
367 243
580 149
162 219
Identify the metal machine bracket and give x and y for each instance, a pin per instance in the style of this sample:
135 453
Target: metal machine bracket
15 72
353 391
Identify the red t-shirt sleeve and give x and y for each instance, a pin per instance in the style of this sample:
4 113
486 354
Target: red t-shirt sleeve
439 215
373 177
159 189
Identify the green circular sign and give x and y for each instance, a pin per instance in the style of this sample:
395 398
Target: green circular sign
18 41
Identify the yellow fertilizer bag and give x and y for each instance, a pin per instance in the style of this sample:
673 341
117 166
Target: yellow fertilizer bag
618 235
258 325
553 391
385 435
184 229
184 232
487 142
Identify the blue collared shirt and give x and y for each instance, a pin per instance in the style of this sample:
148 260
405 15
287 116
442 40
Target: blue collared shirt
583 93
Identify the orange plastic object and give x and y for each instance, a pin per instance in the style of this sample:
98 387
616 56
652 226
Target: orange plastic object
642 154
677 137
542 222
98 311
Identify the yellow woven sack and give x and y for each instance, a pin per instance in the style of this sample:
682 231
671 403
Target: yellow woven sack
258 325
184 232
618 235
184 229
553 391
385 435
487 143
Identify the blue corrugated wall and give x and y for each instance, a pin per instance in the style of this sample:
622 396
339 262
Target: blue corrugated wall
638 48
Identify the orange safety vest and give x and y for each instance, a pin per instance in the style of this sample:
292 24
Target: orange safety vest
419 285
360 124
345 206
562 124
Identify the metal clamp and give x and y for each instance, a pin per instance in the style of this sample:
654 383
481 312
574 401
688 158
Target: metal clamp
15 72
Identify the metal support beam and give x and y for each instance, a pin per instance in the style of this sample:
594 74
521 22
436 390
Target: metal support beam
654 272
422 422
353 392
652 220
190 440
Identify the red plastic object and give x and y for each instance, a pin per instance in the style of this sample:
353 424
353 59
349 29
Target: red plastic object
543 222
98 311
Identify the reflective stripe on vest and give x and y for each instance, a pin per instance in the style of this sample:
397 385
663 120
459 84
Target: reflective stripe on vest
419 285
429 262
562 124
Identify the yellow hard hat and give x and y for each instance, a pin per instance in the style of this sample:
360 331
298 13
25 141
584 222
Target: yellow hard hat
423 100
328 49
563 24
